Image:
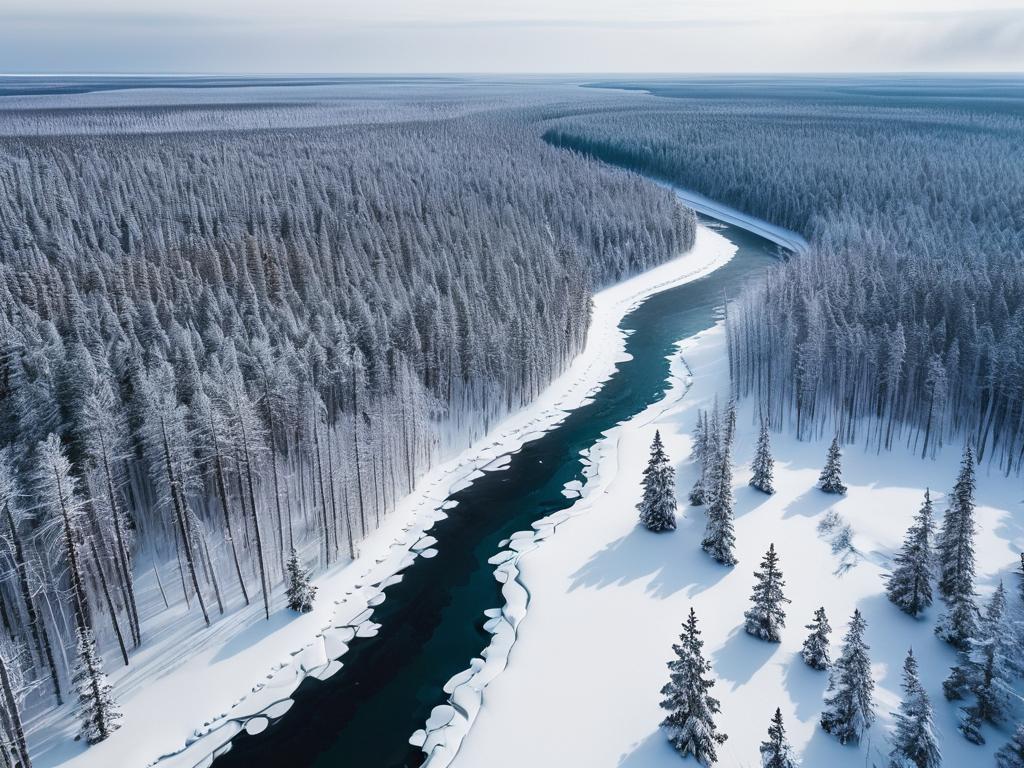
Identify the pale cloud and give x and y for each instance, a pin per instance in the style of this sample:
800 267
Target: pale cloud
509 36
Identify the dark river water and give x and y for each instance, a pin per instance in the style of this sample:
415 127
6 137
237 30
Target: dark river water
432 621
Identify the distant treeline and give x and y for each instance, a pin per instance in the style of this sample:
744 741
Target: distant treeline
218 346
906 319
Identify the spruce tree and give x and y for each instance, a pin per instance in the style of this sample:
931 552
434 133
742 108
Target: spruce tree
1021 585
763 466
719 535
98 710
658 506
956 539
300 592
766 618
914 741
1011 755
909 585
849 710
776 752
988 670
831 478
815 648
690 724
700 455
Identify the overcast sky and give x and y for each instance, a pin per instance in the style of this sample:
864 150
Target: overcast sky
350 36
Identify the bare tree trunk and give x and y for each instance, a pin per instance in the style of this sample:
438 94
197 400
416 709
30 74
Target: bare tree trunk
223 493
110 603
181 513
123 560
14 715
37 627
255 521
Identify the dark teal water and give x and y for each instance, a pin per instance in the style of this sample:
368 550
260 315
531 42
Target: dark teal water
432 621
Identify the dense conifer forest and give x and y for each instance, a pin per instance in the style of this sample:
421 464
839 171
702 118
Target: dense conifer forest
905 321
225 354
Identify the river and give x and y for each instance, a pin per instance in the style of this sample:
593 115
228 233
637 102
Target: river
432 621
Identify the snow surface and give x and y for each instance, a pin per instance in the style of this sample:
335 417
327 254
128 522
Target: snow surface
189 690
607 598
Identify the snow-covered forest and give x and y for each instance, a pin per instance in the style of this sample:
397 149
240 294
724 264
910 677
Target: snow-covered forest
905 321
220 346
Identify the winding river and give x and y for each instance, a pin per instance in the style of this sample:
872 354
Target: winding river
432 620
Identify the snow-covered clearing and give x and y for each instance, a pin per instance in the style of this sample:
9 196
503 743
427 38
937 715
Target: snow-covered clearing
607 599
188 690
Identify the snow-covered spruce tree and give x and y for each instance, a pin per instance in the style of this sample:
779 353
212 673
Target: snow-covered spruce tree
989 669
955 542
1011 754
776 752
700 456
690 724
300 592
658 507
909 585
831 478
763 466
959 622
719 535
815 648
914 742
1021 584
849 710
766 618
98 710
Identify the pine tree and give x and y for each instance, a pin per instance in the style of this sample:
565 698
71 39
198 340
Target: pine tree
956 539
849 710
719 535
959 622
909 585
831 478
1011 755
776 752
99 711
914 741
300 592
763 466
815 648
690 724
766 618
988 670
658 507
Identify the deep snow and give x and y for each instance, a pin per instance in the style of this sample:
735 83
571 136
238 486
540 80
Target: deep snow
607 598
188 690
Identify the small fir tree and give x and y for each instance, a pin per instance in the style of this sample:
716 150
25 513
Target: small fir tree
1011 755
849 710
690 724
658 506
914 741
909 585
776 752
959 622
831 478
301 592
766 618
720 535
99 712
815 649
763 466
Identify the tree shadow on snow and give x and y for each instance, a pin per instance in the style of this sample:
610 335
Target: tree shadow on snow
254 634
811 503
652 752
669 562
806 687
740 657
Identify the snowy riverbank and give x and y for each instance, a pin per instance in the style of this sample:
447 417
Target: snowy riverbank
607 598
183 703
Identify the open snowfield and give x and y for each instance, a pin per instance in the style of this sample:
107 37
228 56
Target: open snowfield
188 690
607 599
